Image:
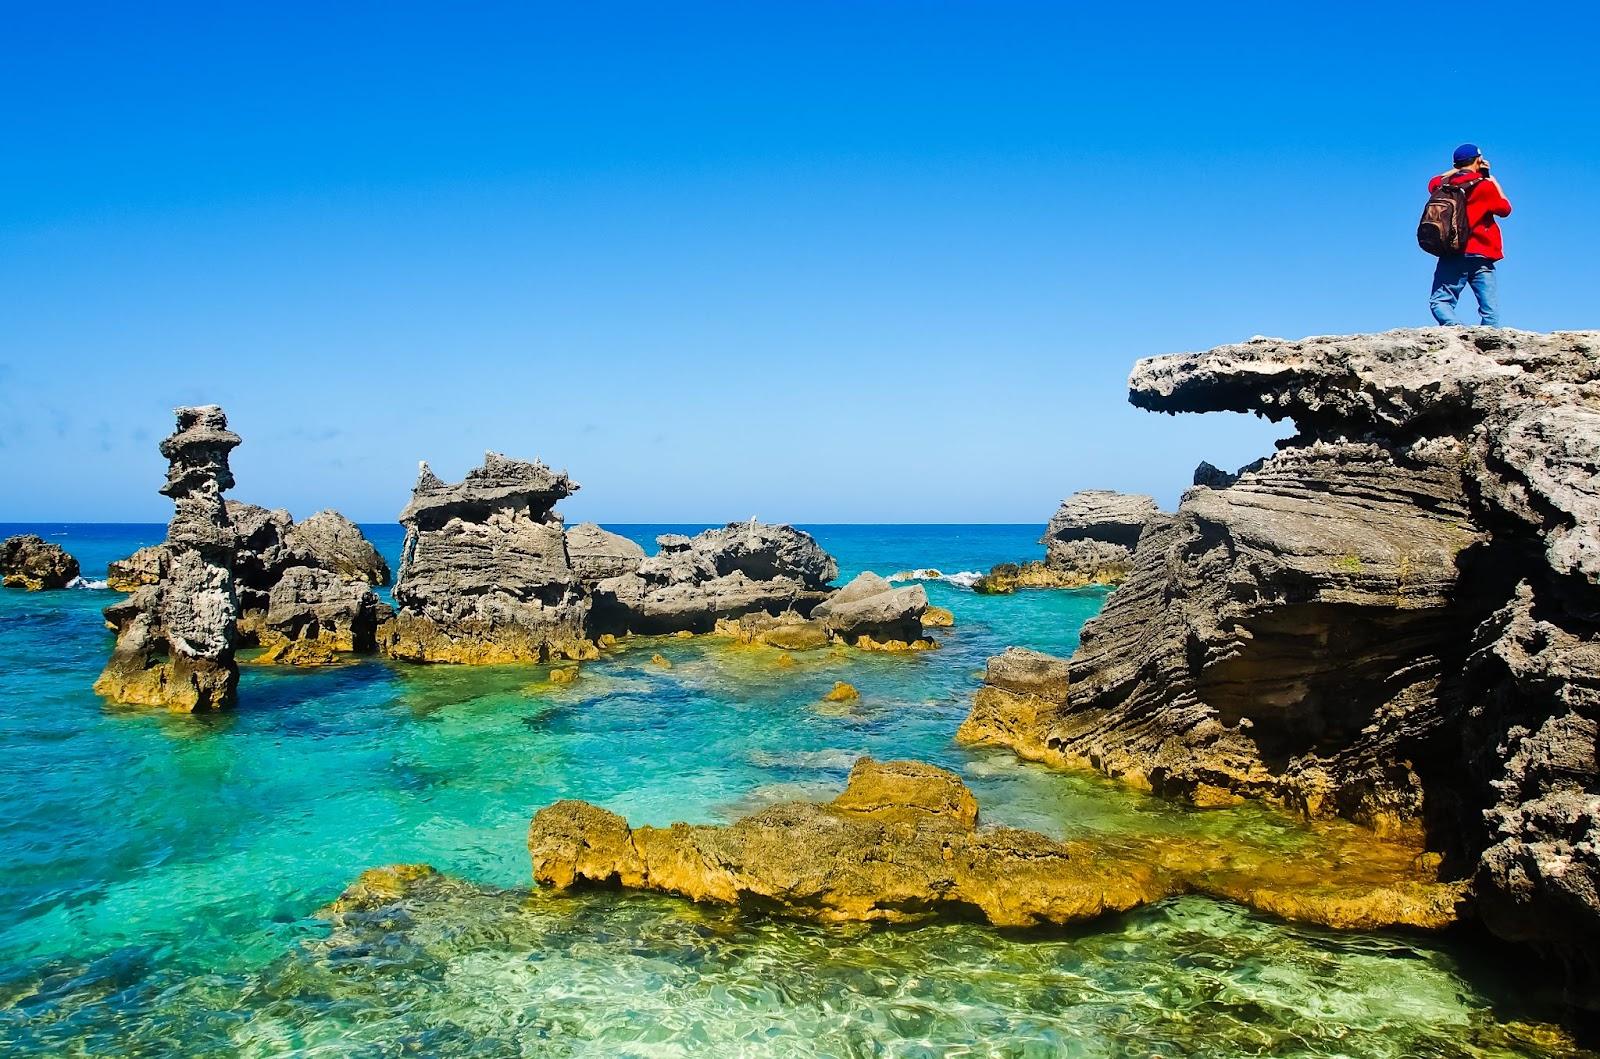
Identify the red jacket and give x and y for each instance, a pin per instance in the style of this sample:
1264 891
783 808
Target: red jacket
1484 203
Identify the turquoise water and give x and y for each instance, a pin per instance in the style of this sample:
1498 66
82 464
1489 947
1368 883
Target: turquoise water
164 873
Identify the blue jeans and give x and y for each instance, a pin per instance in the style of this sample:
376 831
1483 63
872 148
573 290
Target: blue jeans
1452 276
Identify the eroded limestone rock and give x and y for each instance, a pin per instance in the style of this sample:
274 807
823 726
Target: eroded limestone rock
267 546
1023 692
902 843
175 638
739 569
28 561
1393 620
484 577
870 606
1089 541
597 554
314 615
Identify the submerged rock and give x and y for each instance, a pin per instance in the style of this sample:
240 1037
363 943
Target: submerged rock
1394 619
690 583
484 575
175 638
28 561
1089 541
899 844
902 843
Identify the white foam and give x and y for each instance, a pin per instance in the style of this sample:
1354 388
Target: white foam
78 582
961 579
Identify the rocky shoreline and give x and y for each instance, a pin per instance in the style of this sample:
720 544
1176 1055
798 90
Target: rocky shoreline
1394 620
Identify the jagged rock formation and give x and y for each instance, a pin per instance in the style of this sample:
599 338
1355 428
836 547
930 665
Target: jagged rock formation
175 639
739 569
1396 619
29 562
270 548
484 577
902 843
1089 541
597 554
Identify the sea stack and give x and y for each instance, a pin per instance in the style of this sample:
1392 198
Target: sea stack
176 638
484 574
29 562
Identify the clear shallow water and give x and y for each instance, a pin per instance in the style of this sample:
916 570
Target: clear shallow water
163 873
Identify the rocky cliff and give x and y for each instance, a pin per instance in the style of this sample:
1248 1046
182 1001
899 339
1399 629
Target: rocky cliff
1394 619
175 638
484 575
1089 541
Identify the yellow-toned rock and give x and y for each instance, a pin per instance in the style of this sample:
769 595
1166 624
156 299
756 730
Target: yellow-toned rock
416 638
280 650
379 886
902 843
938 618
842 692
867 643
564 675
661 660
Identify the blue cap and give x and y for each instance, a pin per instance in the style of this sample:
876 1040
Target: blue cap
1466 153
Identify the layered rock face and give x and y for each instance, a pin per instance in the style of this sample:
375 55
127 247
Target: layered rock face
1089 541
30 562
902 843
1396 619
485 577
175 638
739 569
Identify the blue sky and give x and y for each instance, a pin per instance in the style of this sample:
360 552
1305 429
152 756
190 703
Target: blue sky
814 262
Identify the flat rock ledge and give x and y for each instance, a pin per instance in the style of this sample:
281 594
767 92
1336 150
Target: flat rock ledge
902 844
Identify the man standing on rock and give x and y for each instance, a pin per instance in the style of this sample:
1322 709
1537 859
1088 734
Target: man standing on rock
1475 264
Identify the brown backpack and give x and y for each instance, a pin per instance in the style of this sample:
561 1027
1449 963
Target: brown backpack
1443 229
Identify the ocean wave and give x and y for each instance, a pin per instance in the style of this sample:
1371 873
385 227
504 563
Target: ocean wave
961 579
79 582
832 758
